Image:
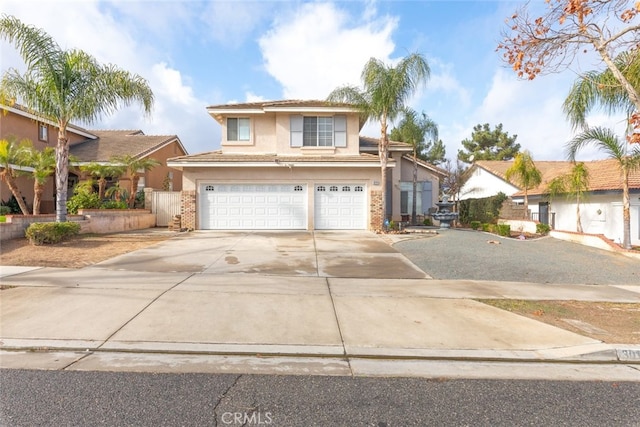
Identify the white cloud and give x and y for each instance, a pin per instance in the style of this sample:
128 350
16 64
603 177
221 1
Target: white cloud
252 97
318 48
230 22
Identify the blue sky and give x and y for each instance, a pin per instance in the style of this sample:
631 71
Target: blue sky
200 53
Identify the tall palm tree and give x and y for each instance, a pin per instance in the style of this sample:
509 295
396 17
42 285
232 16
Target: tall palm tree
9 159
524 172
64 86
386 90
601 88
575 184
134 166
43 164
627 159
101 172
413 130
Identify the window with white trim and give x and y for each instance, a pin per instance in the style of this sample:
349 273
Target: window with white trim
43 132
318 131
238 129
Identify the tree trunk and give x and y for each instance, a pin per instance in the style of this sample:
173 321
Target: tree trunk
578 220
383 152
62 173
626 209
526 205
414 218
135 178
13 187
628 87
38 189
102 184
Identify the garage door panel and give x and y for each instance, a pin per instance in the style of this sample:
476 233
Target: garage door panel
253 206
340 206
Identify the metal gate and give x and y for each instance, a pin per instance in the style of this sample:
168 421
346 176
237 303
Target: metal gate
165 205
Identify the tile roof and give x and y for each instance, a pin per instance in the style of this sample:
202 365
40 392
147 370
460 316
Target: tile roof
112 143
603 174
370 144
219 157
293 103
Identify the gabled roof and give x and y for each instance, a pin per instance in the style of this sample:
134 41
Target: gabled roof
220 159
604 175
433 168
218 112
110 143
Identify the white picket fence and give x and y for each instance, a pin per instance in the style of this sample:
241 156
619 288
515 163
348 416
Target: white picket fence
165 205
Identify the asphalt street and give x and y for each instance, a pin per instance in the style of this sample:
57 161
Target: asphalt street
62 398
474 255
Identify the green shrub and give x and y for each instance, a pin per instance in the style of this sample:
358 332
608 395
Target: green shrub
427 222
485 226
393 225
83 200
12 204
483 210
3 218
542 228
5 210
504 230
475 224
114 204
40 233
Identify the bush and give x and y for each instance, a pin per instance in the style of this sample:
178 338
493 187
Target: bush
475 224
485 226
483 210
12 204
504 230
40 233
114 204
542 228
5 210
83 200
428 222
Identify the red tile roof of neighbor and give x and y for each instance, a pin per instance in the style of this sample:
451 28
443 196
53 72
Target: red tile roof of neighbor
603 174
112 143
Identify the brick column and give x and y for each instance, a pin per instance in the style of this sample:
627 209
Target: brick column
188 209
376 211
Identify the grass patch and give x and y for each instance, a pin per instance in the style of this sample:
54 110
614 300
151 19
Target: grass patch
3 218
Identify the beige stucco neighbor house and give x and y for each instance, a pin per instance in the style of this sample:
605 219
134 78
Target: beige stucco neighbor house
88 146
295 165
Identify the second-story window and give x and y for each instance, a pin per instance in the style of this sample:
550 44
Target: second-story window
43 132
318 131
238 129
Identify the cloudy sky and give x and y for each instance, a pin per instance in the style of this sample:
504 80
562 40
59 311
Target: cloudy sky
200 53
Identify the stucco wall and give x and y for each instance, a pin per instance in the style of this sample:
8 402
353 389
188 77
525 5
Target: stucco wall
482 184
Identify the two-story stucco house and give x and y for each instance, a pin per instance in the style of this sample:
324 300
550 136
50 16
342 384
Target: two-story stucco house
296 165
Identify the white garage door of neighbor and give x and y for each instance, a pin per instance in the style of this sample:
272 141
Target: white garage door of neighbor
340 207
253 207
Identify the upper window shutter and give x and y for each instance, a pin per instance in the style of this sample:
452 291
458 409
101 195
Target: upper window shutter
296 125
340 131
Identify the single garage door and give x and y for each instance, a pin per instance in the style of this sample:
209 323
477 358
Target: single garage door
253 207
340 207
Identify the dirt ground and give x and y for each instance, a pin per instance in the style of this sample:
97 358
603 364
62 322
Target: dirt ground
608 322
81 251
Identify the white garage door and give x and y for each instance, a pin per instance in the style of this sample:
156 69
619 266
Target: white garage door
340 207
253 207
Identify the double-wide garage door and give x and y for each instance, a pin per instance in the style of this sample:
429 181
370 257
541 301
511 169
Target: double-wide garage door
281 206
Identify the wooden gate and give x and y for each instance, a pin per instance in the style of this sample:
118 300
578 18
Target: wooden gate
165 205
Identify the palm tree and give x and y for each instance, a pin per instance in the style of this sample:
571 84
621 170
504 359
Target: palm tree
573 184
524 172
134 166
413 130
43 164
386 90
602 88
101 172
626 158
9 159
64 86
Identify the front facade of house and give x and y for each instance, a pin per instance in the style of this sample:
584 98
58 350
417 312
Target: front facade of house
88 146
600 209
293 165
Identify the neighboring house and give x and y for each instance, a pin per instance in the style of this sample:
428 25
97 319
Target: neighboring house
294 165
89 146
600 211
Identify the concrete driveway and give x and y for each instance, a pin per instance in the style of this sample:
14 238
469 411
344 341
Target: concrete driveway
277 253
